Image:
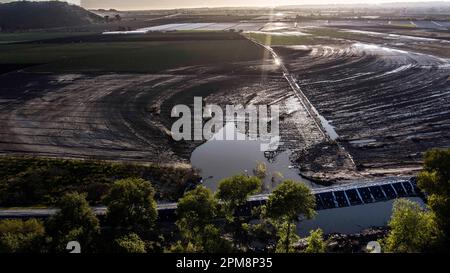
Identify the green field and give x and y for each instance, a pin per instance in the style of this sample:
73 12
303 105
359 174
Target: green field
6 38
129 56
279 40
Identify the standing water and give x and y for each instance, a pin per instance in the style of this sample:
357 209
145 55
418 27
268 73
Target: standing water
219 159
351 220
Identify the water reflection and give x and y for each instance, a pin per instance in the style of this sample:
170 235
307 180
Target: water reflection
218 159
351 219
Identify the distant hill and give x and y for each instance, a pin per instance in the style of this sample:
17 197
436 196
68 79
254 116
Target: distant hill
25 15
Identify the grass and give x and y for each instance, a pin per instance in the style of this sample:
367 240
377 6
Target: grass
279 40
129 56
6 38
403 25
39 181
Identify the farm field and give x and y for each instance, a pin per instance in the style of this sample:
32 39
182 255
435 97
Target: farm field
141 54
110 96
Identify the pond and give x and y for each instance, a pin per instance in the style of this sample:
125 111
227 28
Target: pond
218 159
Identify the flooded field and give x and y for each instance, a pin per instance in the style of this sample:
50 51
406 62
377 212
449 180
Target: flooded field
334 112
370 105
218 159
387 105
196 27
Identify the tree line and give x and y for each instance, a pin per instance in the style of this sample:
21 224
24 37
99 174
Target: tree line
208 222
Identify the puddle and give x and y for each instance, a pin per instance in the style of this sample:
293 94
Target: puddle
351 219
219 159
328 127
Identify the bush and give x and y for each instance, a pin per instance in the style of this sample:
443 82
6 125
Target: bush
412 229
316 243
130 243
17 236
36 181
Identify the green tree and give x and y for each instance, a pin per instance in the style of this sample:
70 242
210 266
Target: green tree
75 221
196 212
17 236
286 233
130 243
131 207
289 203
234 192
412 229
180 247
315 242
197 207
434 180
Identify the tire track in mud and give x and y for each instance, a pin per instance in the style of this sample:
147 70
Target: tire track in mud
327 160
123 117
387 105
104 117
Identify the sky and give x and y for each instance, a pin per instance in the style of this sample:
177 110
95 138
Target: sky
169 4
156 4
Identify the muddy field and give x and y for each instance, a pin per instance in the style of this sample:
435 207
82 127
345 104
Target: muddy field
387 102
115 116
122 116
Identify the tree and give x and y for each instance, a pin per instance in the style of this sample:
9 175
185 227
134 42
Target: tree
234 192
75 221
286 233
213 242
195 214
131 207
264 233
290 203
412 229
197 207
434 180
315 242
17 236
130 243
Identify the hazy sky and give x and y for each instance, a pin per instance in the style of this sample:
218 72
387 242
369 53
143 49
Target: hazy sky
155 4
159 4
